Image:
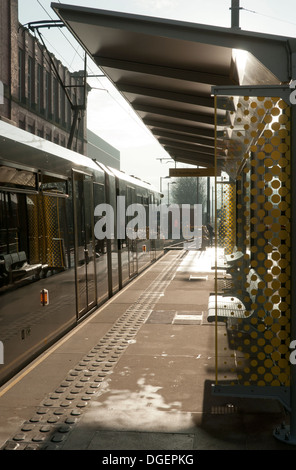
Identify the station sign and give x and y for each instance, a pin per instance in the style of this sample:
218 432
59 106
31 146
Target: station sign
187 172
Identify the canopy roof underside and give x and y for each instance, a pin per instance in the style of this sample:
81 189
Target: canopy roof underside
166 70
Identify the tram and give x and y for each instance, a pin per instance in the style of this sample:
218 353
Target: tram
54 272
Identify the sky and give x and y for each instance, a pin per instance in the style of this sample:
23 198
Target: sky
108 114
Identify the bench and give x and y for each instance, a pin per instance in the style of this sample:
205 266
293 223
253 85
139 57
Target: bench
224 308
15 266
234 266
235 256
228 262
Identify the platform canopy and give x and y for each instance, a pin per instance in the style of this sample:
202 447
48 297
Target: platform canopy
166 70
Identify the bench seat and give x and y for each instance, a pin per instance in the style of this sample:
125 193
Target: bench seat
234 257
226 262
227 307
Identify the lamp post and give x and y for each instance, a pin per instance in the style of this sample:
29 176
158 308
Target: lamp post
160 184
173 182
160 181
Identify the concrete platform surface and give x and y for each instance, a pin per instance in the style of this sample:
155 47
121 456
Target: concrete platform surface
137 376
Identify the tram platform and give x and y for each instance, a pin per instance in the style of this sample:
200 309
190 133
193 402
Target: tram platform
137 375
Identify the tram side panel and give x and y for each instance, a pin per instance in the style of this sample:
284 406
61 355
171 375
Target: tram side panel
115 266
37 275
159 242
137 247
145 246
101 251
122 239
43 218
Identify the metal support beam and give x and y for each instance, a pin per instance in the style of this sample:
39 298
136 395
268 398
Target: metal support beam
167 95
188 147
198 100
195 162
174 137
73 127
182 128
168 72
281 91
197 158
173 113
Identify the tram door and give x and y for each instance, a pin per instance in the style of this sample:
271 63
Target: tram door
131 243
84 242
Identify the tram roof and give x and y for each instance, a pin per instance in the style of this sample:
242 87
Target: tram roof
22 147
166 69
25 149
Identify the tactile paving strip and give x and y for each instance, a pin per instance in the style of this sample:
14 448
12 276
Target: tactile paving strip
61 409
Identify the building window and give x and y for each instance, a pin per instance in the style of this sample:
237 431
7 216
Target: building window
31 128
21 75
30 82
69 116
39 88
56 100
63 106
22 124
48 135
48 95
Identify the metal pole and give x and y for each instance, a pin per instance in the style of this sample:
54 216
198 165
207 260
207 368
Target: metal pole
292 431
293 267
235 8
160 181
208 201
287 433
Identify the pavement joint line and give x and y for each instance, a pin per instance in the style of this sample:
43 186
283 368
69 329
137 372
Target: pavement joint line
60 410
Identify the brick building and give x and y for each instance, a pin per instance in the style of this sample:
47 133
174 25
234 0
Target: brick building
34 99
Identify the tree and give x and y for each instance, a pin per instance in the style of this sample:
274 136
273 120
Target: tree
184 191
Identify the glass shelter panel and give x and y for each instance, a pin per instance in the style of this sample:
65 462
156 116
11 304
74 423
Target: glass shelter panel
252 294
226 209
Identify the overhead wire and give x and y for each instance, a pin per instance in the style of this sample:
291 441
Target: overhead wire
131 115
62 32
268 16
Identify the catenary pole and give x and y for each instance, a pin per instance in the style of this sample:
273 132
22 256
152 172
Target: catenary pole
235 8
